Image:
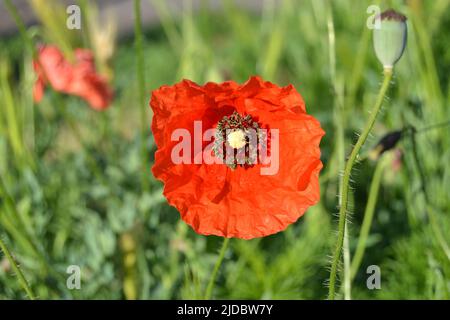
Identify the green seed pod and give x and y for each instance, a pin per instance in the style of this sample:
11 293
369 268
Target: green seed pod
389 37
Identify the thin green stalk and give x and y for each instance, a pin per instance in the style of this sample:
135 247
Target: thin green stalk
85 35
346 180
20 25
347 270
339 153
11 8
275 43
168 24
434 126
336 162
430 72
140 64
331 45
212 280
27 39
437 233
368 218
52 16
10 111
22 280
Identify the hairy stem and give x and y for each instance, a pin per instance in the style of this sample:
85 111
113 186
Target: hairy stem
346 181
347 265
212 280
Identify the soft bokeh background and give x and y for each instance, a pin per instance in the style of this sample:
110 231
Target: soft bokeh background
77 192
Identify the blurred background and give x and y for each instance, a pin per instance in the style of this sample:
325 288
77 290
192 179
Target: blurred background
76 186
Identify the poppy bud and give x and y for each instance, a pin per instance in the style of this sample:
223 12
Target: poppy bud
387 142
389 38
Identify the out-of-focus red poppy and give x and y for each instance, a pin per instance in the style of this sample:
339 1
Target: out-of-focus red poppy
78 78
225 198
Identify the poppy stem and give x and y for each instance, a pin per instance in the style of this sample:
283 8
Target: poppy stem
212 280
140 65
22 280
368 217
346 180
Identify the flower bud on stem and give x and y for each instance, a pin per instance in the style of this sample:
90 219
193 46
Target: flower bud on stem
346 179
389 41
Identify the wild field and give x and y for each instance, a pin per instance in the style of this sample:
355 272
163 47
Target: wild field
77 189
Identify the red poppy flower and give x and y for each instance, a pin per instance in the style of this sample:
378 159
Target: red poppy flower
78 78
238 195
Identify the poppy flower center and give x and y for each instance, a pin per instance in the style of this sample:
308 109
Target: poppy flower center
237 139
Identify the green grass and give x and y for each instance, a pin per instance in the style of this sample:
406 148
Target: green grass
73 176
